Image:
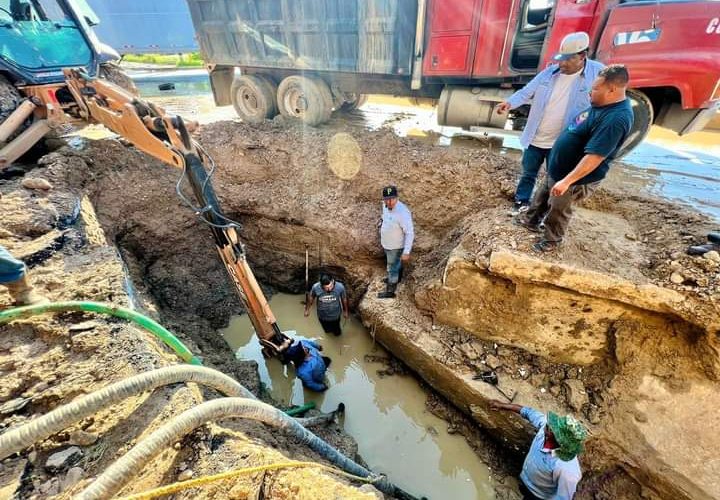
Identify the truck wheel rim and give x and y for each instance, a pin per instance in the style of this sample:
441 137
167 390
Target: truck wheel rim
248 101
295 102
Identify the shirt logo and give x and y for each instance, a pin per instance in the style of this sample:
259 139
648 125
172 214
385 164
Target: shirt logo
579 120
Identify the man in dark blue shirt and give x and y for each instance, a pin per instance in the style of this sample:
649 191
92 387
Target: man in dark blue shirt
581 157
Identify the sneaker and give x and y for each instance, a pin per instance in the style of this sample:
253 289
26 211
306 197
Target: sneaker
544 246
523 222
520 207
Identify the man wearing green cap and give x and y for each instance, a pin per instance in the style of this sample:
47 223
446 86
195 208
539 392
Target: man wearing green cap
551 469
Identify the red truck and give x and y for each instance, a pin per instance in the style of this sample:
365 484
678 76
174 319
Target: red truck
308 58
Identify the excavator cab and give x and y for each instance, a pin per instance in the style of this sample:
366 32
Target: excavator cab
38 38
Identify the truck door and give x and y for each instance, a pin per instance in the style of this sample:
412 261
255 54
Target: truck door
570 16
451 44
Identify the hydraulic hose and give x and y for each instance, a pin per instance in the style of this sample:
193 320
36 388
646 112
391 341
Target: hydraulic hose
120 312
123 470
61 418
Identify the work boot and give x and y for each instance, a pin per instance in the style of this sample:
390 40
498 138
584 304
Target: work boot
389 292
24 294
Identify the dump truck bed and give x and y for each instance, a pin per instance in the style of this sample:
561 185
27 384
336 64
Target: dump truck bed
355 36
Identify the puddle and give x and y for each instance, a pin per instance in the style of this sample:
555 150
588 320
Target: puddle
682 169
396 435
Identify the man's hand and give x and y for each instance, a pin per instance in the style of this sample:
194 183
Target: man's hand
307 312
560 188
502 108
346 314
405 257
496 405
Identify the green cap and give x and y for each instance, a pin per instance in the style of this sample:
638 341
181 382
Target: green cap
569 434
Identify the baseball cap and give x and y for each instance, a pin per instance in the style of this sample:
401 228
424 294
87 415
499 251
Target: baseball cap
571 45
389 192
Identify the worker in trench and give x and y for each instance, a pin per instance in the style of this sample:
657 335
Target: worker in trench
14 276
332 303
396 237
580 158
310 365
551 469
556 96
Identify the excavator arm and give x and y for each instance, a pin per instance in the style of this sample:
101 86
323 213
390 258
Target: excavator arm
167 138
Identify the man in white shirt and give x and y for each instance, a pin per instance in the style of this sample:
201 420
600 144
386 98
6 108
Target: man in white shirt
556 95
396 237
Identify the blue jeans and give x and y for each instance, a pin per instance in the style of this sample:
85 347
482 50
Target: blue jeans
532 160
394 264
11 269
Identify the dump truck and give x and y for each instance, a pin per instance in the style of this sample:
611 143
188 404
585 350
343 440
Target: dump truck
307 58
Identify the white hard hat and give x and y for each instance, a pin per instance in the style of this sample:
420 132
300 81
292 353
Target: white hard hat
572 44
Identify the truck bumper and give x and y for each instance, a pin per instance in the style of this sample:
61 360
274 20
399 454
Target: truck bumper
702 118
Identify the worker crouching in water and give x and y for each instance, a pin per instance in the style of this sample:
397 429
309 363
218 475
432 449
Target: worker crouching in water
310 366
551 469
13 275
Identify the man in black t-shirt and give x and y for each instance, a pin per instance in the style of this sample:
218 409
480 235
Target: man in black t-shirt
581 157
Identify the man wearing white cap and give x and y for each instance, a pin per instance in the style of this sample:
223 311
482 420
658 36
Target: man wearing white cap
556 96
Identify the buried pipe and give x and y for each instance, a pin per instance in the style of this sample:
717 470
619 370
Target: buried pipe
61 418
96 307
124 470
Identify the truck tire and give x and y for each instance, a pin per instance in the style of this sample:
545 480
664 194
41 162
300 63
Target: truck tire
253 98
114 74
357 102
643 115
305 98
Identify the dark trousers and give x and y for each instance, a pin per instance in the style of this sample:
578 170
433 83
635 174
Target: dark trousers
556 210
332 326
526 493
532 160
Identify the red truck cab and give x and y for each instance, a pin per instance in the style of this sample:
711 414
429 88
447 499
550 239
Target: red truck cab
670 47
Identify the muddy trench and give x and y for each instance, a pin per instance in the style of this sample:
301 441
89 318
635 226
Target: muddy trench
599 330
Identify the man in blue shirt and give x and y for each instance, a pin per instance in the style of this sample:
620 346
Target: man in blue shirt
551 470
581 157
310 366
332 303
556 95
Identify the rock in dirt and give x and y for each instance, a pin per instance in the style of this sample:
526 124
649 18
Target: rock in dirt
575 394
677 278
493 362
72 477
84 326
185 475
36 183
50 488
83 438
713 256
63 459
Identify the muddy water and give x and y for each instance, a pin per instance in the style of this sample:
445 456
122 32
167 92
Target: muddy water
396 435
683 169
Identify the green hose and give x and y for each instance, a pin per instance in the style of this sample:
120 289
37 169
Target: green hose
121 312
299 410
